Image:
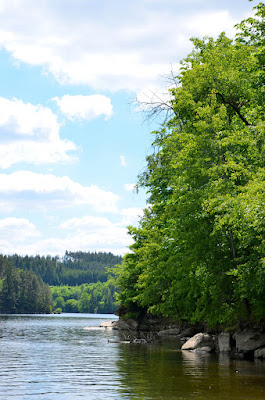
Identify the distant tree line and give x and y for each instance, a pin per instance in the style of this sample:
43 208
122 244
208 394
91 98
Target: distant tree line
22 291
75 268
80 282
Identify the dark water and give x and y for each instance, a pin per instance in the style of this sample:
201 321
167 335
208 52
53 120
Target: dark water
67 357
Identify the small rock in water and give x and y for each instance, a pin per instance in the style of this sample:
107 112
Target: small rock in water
107 324
140 341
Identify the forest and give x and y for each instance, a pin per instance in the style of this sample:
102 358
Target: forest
198 253
79 282
73 269
22 291
99 297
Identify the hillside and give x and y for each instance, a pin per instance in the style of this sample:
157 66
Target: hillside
75 268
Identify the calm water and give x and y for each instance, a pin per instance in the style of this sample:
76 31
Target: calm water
67 357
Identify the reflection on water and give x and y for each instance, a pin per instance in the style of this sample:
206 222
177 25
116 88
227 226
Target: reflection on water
164 373
68 357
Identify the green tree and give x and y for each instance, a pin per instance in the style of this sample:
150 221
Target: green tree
71 306
22 291
10 290
59 302
85 303
198 253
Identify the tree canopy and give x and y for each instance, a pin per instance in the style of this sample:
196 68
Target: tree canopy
22 291
73 269
99 297
198 253
80 282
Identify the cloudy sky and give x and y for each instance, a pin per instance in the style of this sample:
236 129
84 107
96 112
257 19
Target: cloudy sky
72 141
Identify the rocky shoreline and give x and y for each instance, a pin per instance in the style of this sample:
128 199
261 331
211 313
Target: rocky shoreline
244 342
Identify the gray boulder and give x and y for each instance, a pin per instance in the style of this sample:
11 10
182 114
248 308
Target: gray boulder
169 332
188 332
200 342
259 353
125 325
248 341
224 342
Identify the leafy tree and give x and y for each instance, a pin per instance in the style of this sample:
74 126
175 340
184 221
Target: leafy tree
59 302
198 253
85 303
71 306
93 297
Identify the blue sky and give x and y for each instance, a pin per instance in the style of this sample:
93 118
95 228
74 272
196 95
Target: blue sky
72 141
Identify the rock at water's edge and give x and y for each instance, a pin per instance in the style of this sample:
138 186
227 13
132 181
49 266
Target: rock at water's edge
224 342
201 341
205 349
260 353
248 341
126 325
169 332
108 324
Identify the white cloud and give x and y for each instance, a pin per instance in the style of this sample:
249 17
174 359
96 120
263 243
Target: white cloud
25 189
85 107
129 187
131 215
13 232
212 23
123 161
129 48
30 134
96 233
18 235
88 233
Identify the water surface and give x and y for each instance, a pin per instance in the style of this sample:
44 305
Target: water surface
68 357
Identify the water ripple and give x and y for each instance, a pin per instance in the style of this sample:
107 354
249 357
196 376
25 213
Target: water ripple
58 358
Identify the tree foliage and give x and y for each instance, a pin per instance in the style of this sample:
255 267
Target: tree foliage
198 253
22 291
99 297
80 282
74 269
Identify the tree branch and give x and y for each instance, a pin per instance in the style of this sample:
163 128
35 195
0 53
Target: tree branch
236 108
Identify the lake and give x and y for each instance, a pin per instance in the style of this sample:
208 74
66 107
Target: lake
68 357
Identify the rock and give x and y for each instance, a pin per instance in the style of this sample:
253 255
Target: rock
184 339
259 353
140 341
126 325
205 349
169 332
200 341
188 332
248 341
224 342
153 324
108 324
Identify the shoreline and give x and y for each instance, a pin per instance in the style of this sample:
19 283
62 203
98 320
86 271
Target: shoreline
245 342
